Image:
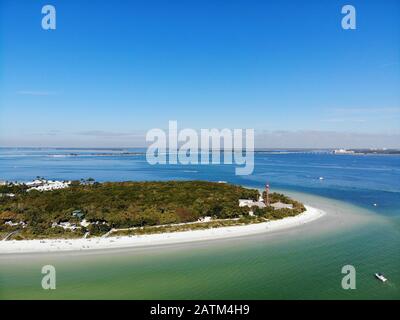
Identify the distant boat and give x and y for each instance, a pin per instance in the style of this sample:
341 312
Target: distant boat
321 178
381 277
375 204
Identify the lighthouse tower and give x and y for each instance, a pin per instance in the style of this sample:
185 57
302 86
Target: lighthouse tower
266 200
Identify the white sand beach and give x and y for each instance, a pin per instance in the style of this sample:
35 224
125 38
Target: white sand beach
60 245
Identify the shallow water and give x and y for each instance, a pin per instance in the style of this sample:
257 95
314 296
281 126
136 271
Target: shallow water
302 263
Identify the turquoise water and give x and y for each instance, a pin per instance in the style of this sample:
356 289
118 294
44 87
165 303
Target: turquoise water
303 263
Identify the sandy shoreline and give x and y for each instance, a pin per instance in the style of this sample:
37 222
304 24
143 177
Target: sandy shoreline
61 245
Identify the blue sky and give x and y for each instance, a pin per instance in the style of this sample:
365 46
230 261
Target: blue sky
114 69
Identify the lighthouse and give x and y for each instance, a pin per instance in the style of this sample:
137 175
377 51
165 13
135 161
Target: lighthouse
266 200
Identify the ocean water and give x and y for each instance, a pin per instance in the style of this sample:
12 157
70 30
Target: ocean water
298 264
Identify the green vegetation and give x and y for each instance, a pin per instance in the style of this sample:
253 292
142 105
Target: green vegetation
271 213
189 227
141 205
47 233
13 188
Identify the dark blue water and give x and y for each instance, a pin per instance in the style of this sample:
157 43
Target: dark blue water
357 179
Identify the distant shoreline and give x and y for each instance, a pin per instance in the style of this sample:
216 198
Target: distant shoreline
134 151
86 245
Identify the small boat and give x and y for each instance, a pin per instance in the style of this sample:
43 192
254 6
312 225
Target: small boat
381 277
321 178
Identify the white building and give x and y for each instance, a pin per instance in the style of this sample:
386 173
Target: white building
251 203
65 226
11 195
343 151
280 205
48 185
260 204
85 223
36 183
14 224
205 219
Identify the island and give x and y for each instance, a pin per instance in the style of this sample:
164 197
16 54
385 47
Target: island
87 209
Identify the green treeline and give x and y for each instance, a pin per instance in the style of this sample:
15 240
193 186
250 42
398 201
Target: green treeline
127 205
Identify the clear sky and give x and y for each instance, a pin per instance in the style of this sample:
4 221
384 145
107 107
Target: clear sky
113 69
